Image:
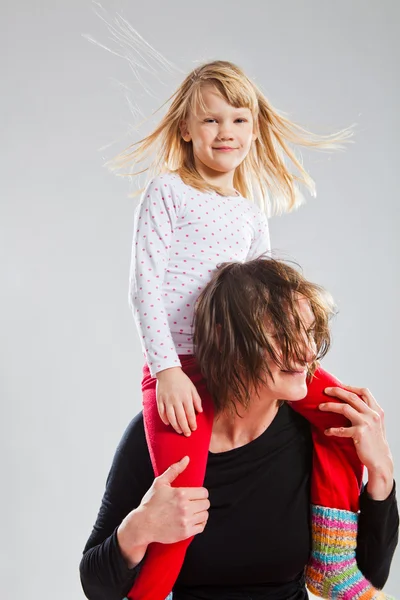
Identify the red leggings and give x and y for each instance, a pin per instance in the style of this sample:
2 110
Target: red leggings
335 483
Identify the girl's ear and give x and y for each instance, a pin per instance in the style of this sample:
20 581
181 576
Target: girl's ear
184 131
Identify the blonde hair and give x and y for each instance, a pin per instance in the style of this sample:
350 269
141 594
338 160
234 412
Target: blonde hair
263 174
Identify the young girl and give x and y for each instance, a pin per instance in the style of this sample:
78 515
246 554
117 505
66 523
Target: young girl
219 146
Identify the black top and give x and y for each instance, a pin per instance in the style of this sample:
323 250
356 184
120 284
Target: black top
257 539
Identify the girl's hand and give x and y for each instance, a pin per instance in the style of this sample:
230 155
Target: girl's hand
368 432
166 514
177 400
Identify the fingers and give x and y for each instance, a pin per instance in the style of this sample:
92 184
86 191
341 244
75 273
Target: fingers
348 397
190 415
180 414
193 506
183 424
343 409
192 493
367 397
177 400
201 506
199 528
172 420
162 413
367 406
197 401
343 432
200 518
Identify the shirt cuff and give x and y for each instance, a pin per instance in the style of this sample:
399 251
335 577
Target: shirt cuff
157 365
369 505
123 570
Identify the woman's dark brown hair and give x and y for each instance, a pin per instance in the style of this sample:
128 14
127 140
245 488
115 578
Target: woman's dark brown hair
245 312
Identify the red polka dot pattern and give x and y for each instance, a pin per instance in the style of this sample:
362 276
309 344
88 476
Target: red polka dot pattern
180 236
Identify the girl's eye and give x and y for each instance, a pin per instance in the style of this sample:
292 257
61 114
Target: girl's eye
211 120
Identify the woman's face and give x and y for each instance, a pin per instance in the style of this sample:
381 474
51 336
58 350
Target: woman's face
291 385
221 136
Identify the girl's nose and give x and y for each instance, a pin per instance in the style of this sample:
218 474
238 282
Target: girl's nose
225 133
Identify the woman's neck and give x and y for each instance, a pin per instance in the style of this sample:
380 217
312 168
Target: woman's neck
231 430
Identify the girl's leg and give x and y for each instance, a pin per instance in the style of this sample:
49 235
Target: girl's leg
332 571
163 562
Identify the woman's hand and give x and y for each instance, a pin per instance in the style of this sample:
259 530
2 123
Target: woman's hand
368 432
166 514
177 400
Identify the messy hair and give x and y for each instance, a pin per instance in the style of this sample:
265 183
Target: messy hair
264 173
244 313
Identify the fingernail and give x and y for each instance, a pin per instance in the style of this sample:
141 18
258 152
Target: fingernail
322 405
328 389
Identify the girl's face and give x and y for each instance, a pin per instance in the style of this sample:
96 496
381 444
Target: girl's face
291 385
221 136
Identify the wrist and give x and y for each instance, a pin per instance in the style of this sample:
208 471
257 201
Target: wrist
133 537
380 480
166 372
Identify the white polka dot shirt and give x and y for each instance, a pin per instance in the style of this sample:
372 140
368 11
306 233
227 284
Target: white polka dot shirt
180 236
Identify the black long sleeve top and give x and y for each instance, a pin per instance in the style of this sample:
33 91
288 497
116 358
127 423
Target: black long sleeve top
257 540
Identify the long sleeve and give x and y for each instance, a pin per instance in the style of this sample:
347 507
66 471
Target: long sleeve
104 573
155 221
378 532
261 244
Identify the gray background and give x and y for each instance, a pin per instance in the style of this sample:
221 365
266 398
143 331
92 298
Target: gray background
70 356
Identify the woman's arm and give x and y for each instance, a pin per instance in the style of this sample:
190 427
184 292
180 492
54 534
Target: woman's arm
378 533
378 527
104 571
136 511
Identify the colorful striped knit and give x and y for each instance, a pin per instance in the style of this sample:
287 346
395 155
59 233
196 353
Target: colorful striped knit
332 570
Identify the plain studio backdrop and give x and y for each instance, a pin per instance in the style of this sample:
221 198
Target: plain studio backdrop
70 355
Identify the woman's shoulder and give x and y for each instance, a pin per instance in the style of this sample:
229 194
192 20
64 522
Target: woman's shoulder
132 447
133 439
132 458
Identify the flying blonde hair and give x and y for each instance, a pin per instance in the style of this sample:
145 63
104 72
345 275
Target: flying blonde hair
263 176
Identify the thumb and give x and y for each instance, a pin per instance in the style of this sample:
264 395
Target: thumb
174 470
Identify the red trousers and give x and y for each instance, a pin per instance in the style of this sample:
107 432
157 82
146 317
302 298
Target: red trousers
335 483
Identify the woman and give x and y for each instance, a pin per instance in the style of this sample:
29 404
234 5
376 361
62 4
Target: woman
256 345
